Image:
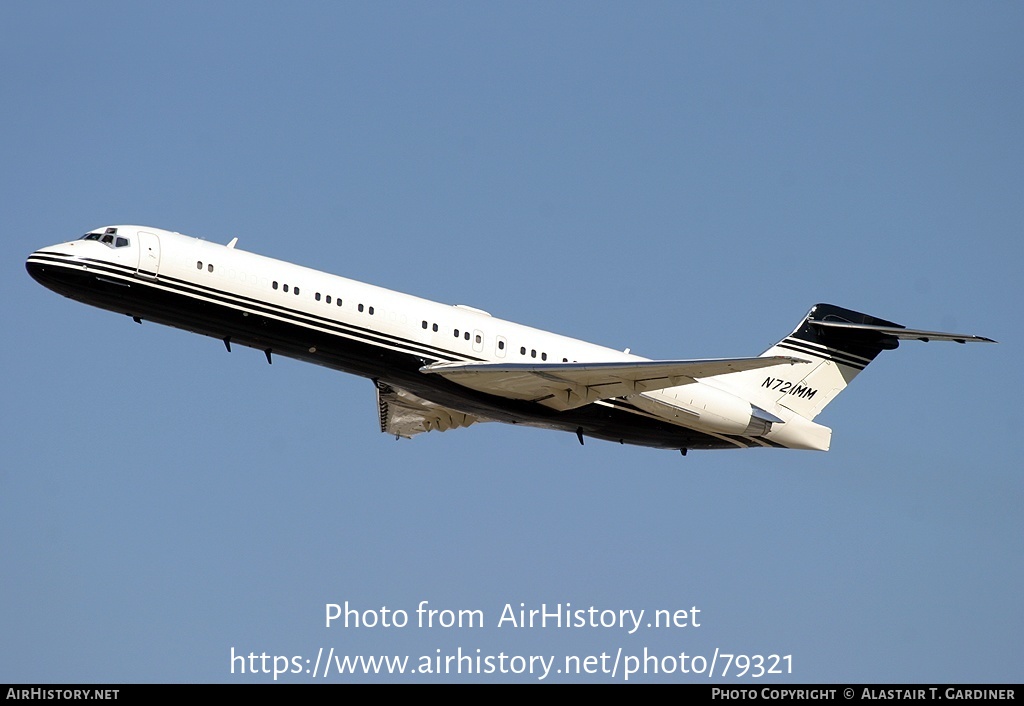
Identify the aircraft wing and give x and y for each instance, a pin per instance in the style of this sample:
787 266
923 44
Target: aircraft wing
565 386
404 414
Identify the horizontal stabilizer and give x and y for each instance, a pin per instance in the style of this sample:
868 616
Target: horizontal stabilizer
905 333
564 386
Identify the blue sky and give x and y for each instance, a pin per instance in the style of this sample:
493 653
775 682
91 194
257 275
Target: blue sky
682 179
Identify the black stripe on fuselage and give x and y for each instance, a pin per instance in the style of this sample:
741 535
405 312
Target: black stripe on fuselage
348 348
430 353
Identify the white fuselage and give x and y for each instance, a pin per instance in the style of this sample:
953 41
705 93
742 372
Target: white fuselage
280 307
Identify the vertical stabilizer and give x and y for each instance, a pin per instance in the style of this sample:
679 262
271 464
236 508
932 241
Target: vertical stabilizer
835 355
837 343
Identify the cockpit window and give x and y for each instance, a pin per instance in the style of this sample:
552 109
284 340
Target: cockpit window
114 241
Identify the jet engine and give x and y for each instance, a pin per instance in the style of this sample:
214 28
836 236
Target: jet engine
700 406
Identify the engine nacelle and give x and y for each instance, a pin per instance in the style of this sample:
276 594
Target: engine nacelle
706 408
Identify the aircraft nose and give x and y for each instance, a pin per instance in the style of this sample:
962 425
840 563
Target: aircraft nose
45 267
37 264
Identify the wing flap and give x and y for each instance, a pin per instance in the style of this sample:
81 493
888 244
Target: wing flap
404 414
564 386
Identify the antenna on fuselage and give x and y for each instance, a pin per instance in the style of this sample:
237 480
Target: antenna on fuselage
232 243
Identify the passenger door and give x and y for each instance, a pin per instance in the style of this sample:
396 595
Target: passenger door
149 255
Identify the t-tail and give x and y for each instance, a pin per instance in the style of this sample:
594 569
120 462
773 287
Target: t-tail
837 344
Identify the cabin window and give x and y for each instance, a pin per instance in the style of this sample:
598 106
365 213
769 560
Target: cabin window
522 351
339 302
360 307
328 298
274 285
296 291
424 325
456 333
370 311
479 338
466 336
501 345
317 296
543 356
209 268
533 353
199 266
434 327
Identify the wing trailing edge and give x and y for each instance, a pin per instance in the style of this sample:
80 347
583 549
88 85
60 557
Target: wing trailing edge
564 386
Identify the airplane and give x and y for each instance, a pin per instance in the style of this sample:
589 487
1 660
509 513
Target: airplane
438 366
